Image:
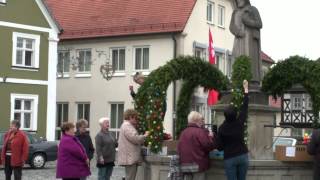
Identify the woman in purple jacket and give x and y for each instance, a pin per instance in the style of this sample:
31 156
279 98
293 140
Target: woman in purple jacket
73 162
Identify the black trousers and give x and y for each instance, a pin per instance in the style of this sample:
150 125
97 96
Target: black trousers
70 178
17 171
316 170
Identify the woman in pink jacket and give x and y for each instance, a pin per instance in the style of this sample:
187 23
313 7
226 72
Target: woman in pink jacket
129 149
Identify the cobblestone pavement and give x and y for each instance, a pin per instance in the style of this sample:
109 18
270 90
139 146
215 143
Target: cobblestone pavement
49 173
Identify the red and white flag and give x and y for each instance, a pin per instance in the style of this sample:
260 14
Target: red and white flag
213 95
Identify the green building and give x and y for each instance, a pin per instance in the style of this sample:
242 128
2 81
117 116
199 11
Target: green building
28 63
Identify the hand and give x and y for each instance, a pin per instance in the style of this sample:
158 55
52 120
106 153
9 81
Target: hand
245 86
211 134
101 160
131 88
88 162
146 134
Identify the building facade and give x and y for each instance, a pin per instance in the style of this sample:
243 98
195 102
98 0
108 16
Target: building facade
138 40
133 36
29 39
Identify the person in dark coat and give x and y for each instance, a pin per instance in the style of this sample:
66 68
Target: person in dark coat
231 139
84 137
314 149
195 144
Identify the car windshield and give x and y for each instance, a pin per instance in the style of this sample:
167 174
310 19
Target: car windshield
34 138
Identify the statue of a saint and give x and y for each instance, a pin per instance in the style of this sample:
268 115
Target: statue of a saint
245 25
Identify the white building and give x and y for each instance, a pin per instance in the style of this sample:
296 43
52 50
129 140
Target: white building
134 36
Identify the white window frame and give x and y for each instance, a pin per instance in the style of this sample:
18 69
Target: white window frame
118 72
34 115
134 58
116 130
36 45
64 73
221 14
87 73
212 12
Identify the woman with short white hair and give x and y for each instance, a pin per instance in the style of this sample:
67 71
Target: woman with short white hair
106 149
195 117
195 143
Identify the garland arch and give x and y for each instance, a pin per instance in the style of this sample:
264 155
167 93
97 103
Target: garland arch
295 70
150 101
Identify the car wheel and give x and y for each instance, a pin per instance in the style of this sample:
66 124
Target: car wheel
38 161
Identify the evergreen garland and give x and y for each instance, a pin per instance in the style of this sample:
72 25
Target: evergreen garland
241 70
184 104
150 101
295 70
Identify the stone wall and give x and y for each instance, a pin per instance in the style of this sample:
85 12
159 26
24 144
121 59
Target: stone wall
157 168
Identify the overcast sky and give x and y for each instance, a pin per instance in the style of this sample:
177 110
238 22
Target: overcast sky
290 27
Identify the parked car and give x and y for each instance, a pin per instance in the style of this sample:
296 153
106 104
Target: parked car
283 141
40 150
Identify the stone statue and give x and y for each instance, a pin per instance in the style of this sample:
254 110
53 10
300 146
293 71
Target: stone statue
245 25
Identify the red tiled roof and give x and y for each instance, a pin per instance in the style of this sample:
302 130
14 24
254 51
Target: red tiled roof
103 18
266 58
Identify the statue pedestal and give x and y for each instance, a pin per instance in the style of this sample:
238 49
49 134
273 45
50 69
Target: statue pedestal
260 114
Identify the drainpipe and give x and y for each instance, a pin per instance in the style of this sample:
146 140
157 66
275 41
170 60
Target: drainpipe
174 113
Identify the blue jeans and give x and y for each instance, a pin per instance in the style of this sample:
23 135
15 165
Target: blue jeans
104 173
236 167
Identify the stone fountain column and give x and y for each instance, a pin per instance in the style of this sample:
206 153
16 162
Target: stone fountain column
245 25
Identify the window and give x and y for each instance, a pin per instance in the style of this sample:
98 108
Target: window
300 132
210 12
25 50
296 102
308 102
118 59
220 61
221 16
24 107
199 107
229 66
84 61
142 58
61 117
116 116
84 112
63 62
200 53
